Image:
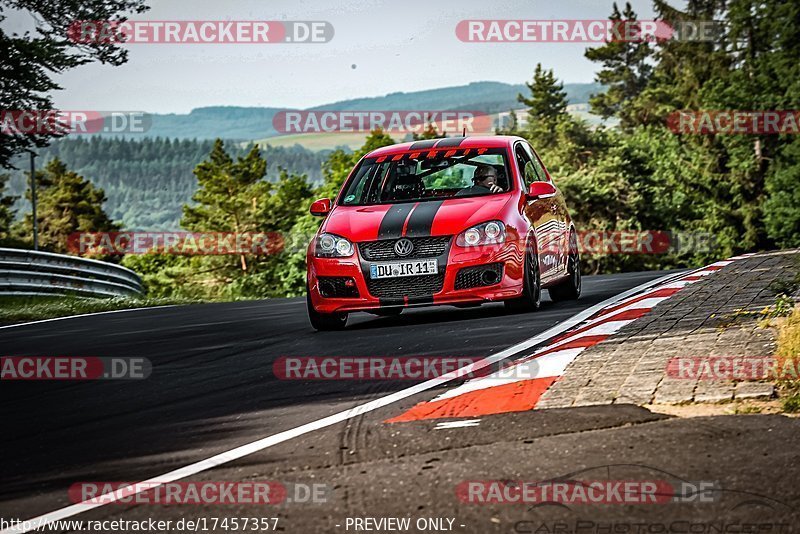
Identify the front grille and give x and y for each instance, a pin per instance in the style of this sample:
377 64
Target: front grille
424 247
411 286
335 287
474 276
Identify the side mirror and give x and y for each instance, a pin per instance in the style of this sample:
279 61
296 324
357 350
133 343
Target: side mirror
540 190
321 207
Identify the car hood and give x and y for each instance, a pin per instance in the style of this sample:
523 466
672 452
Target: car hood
414 219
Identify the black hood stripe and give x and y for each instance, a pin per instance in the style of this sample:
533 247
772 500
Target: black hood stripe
392 223
421 145
449 142
421 219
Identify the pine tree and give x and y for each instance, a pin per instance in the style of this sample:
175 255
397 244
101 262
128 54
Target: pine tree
229 194
625 72
564 143
67 203
548 100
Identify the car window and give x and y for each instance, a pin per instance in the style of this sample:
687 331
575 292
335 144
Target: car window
526 167
425 175
537 164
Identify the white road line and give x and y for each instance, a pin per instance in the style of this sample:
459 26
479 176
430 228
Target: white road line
552 364
85 315
269 441
456 424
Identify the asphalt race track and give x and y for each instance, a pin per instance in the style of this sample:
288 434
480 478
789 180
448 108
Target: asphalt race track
212 389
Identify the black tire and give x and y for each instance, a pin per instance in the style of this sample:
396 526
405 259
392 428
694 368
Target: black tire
325 321
570 289
531 298
387 312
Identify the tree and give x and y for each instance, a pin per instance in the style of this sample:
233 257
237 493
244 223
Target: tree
626 70
229 194
547 109
32 60
7 211
565 143
236 196
508 127
67 203
743 181
548 100
430 132
782 207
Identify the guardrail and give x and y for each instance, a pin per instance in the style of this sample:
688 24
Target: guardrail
26 272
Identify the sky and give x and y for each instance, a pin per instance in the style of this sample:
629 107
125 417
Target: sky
379 47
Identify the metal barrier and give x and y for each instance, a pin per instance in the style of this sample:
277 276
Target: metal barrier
25 272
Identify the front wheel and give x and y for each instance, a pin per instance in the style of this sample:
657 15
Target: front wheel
570 289
531 297
325 321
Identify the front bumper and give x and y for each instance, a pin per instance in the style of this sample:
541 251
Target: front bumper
412 291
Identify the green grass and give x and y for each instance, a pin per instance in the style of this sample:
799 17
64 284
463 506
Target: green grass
746 410
789 349
24 309
791 404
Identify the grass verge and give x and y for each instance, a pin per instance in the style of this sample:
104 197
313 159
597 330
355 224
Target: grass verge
23 309
789 349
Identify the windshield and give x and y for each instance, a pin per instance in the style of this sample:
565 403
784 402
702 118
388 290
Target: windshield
428 175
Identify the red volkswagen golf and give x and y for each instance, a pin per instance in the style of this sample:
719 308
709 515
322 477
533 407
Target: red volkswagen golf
458 221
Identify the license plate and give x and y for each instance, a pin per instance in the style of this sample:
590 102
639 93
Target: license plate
398 269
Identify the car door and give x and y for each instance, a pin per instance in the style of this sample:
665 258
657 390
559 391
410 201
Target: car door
542 214
561 210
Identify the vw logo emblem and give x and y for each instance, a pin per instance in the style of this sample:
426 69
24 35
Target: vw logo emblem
403 247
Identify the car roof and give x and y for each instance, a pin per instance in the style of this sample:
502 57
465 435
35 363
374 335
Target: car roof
476 141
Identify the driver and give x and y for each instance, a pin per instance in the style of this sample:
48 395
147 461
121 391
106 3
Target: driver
484 181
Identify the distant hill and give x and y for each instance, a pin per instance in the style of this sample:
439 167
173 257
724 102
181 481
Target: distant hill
225 122
489 97
247 123
148 181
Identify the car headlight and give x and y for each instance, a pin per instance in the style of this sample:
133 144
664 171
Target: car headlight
332 246
488 233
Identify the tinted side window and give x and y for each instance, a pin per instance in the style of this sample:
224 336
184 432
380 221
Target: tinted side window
526 167
540 172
